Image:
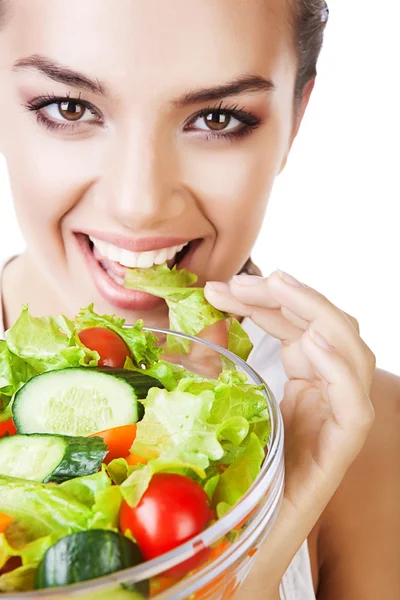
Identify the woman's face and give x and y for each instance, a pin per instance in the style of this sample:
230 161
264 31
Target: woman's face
144 125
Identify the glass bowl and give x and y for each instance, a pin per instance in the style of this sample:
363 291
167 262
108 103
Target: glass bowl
233 540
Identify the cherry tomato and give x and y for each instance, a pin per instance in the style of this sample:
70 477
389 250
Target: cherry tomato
173 509
118 440
7 428
111 347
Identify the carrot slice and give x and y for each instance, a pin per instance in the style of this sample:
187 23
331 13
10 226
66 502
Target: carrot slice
5 521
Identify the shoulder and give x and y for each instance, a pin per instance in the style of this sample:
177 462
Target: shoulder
359 533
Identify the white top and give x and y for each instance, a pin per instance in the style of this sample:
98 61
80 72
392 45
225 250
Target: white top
265 359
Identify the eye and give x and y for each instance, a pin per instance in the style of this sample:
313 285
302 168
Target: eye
216 120
222 123
69 110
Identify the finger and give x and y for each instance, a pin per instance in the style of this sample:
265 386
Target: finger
270 319
311 306
344 433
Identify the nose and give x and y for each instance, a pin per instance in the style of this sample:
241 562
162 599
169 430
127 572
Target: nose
141 181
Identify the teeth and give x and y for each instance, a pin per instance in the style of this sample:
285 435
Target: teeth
146 260
141 260
161 257
117 279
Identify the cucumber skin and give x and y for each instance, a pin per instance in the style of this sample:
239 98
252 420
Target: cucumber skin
87 555
140 382
83 456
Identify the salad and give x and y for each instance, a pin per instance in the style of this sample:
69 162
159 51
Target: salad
107 448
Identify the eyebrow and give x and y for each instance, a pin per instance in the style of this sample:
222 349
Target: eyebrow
55 71
60 73
244 84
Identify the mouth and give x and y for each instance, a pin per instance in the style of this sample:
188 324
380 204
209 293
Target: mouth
107 263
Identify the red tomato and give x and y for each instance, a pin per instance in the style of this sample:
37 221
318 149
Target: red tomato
111 347
172 510
7 427
119 441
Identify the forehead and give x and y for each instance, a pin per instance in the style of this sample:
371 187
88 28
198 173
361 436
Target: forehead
153 44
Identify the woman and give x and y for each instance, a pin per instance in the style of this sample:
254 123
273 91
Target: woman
133 128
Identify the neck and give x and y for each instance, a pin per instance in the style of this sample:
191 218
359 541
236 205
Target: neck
22 283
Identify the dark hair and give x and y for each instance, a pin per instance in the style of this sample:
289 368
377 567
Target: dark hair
310 18
308 23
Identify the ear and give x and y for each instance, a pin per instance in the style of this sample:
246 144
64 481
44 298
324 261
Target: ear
299 111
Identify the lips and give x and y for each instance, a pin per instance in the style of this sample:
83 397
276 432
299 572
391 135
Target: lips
108 276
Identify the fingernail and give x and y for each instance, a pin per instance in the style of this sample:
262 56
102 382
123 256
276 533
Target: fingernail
289 279
319 339
245 279
218 286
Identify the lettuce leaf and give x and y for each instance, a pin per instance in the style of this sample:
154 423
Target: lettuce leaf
160 277
234 396
39 510
167 373
45 513
189 311
141 343
175 427
241 474
48 343
14 372
18 580
201 425
238 340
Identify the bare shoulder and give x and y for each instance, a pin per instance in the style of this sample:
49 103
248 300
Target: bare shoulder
358 536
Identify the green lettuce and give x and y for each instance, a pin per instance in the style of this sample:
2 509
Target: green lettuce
14 372
21 579
193 430
48 343
45 513
167 373
40 510
234 396
240 475
189 311
175 427
159 277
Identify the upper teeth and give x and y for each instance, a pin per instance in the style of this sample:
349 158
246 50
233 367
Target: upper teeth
141 260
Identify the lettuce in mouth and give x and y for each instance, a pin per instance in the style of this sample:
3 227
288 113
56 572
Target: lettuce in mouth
189 311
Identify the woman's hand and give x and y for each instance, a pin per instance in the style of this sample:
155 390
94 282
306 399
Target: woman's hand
326 407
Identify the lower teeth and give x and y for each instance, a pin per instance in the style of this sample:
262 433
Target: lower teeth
115 278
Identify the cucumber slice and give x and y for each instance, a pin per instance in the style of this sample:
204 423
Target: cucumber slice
46 458
140 382
76 402
87 555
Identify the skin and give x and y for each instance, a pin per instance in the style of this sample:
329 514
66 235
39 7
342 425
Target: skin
140 173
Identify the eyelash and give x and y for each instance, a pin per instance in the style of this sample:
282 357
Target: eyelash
41 102
249 120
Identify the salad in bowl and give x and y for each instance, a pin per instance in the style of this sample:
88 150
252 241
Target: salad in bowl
133 463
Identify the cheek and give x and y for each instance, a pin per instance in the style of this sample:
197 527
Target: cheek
48 177
233 185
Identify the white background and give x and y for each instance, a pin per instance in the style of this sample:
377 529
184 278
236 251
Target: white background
332 217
